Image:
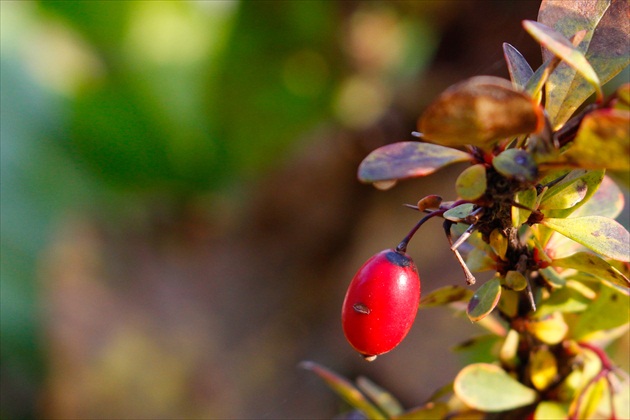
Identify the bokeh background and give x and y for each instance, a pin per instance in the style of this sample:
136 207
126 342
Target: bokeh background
180 210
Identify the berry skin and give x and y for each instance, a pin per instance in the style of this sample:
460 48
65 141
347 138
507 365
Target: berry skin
381 303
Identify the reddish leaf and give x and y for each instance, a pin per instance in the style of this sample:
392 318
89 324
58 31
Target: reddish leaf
606 45
480 111
407 160
562 47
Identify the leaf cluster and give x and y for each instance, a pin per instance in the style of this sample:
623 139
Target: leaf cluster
536 207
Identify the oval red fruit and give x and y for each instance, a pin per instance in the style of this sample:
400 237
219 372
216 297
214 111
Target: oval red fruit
381 303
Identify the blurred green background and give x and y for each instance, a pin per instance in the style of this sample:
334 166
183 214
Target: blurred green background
180 213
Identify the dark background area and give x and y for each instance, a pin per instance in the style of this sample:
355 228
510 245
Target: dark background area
180 209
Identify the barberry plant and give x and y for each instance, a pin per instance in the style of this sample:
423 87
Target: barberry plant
535 206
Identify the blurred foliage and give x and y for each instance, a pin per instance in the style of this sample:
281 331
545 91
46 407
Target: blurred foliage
112 107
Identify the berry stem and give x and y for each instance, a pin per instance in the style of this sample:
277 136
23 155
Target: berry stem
402 246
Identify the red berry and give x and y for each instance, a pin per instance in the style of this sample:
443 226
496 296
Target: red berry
381 303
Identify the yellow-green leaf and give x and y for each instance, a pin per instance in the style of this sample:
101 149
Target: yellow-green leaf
430 411
484 300
552 277
605 236
593 180
345 389
527 198
609 310
509 349
459 213
592 264
478 260
489 388
515 280
551 410
445 295
590 399
381 397
471 183
543 369
498 242
564 300
550 329
602 141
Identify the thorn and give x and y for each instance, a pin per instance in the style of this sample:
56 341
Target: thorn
461 239
530 296
470 279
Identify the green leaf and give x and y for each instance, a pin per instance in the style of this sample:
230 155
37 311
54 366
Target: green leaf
508 304
600 234
478 260
552 277
516 163
382 398
498 242
489 388
593 181
345 389
509 349
609 310
519 68
515 280
471 183
592 264
564 49
444 296
484 300
576 183
602 141
480 111
527 198
407 160
606 44
565 300
571 194
539 78
479 349
459 213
